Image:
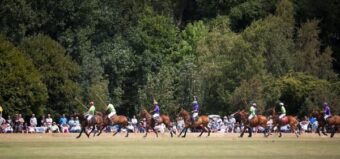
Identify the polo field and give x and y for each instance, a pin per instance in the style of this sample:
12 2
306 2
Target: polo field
218 145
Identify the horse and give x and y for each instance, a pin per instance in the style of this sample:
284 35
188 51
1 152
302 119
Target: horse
258 120
288 119
332 121
120 120
202 122
97 120
150 122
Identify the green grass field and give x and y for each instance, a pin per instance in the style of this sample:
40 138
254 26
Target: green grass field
64 146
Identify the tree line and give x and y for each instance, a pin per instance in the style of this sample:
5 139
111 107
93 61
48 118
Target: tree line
228 53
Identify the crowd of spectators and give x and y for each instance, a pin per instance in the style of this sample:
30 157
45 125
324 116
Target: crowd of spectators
46 124
65 124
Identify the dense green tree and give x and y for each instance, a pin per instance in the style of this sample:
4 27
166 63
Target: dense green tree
245 13
57 70
328 13
301 92
272 38
308 57
21 84
17 18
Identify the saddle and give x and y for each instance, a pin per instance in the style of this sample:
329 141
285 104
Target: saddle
92 119
157 119
284 119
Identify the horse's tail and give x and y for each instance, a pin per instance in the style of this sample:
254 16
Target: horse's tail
126 121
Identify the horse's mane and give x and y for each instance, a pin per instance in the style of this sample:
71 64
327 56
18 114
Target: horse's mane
99 113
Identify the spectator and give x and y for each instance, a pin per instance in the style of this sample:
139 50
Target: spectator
134 122
19 123
63 124
3 125
304 124
33 121
313 124
43 121
6 127
10 121
142 126
232 123
24 128
49 121
77 127
54 128
180 124
71 123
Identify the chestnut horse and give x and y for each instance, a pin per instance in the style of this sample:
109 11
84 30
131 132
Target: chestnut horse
202 122
332 121
97 120
150 122
258 120
120 120
288 119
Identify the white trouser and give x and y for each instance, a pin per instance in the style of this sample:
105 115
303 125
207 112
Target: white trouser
89 116
111 114
156 116
281 116
251 117
194 115
326 116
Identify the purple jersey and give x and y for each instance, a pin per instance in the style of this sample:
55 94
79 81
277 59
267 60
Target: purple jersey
195 107
156 110
327 110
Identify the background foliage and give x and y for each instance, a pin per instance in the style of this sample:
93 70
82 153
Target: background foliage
228 53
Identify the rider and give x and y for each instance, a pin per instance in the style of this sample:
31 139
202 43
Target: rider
111 110
156 110
90 112
326 110
195 110
252 111
283 110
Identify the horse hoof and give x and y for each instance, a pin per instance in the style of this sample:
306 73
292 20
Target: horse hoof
183 136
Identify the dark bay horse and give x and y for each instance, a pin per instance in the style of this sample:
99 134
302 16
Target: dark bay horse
258 120
288 119
97 120
332 121
202 122
120 120
150 122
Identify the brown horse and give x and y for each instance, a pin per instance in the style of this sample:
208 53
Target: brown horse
202 122
150 122
120 120
288 119
332 121
258 120
97 120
